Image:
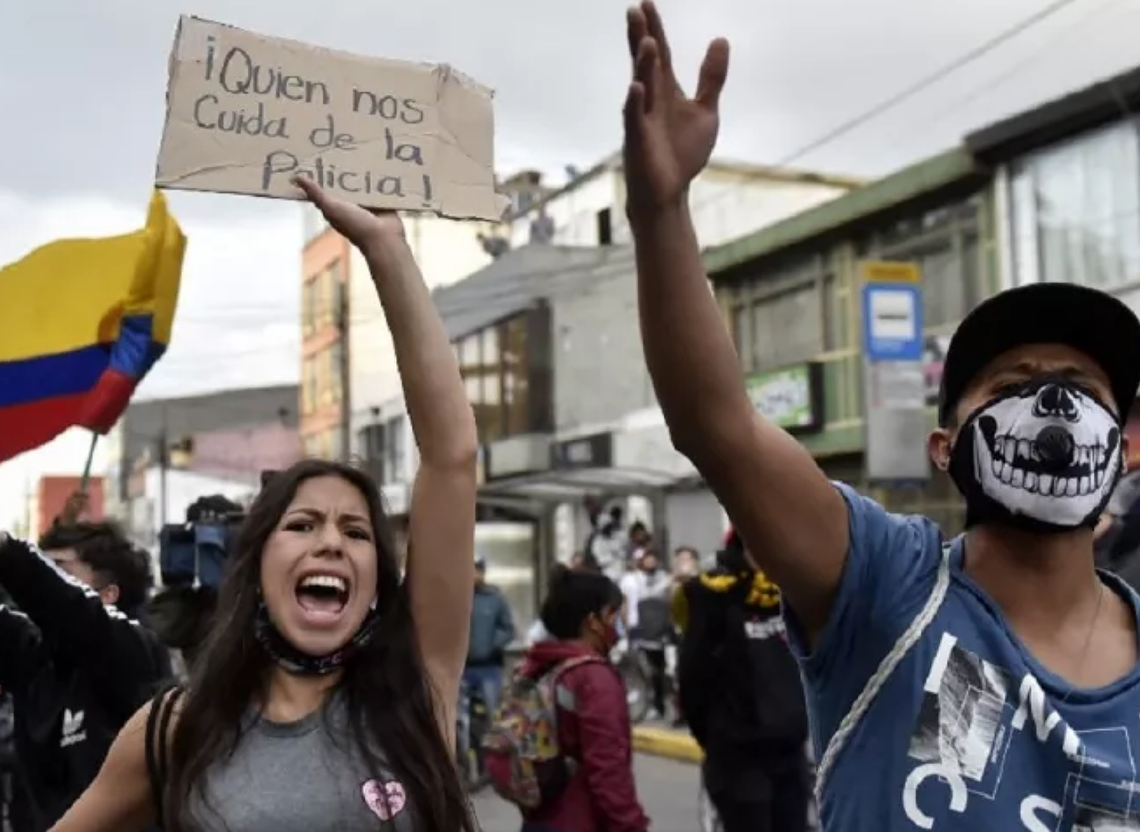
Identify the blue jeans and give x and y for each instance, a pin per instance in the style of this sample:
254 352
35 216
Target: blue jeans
489 682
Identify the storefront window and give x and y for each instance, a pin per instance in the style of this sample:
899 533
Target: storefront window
516 383
787 328
490 413
943 242
1076 210
778 317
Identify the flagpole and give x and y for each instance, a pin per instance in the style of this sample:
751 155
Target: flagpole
87 465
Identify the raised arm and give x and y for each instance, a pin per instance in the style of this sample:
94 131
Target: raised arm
75 624
441 564
793 519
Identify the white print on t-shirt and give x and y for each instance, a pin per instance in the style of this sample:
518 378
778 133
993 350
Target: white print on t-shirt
970 713
766 628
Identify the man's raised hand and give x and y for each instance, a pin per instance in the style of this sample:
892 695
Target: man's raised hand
668 136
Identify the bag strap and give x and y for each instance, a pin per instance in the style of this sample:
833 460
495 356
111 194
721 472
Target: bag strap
883 672
157 731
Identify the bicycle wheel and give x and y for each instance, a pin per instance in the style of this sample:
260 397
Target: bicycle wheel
637 692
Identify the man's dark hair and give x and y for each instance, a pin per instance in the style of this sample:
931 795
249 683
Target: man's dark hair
104 548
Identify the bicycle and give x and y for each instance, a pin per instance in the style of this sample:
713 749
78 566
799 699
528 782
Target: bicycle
635 672
474 720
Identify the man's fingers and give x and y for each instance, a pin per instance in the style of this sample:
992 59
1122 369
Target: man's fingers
647 72
714 72
634 110
635 30
657 31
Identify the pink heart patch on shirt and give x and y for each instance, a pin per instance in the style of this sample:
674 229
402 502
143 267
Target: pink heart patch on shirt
386 800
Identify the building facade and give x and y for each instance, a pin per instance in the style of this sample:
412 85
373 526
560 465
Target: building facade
728 200
325 309
51 495
791 296
148 426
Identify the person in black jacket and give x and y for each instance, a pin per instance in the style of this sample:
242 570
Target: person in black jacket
75 662
741 694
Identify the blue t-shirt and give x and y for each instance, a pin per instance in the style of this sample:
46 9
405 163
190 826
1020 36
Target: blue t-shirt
970 732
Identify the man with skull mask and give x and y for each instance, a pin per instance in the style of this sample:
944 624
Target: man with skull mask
984 683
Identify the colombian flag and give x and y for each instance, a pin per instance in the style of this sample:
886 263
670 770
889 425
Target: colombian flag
81 323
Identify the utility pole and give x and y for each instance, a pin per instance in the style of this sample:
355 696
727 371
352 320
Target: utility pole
343 370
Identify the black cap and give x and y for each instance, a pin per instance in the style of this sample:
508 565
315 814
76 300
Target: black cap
1093 322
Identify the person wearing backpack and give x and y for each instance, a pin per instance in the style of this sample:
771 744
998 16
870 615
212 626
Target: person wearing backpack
742 697
560 747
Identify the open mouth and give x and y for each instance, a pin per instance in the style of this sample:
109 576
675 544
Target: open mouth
1017 461
322 595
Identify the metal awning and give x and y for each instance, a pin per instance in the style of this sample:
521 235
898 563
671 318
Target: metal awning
572 485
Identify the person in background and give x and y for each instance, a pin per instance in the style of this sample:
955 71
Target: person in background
581 613
607 546
492 631
74 658
638 537
647 589
741 694
686 567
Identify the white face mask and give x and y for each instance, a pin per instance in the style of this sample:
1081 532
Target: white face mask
1045 455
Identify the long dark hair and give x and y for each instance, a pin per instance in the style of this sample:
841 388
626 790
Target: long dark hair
389 697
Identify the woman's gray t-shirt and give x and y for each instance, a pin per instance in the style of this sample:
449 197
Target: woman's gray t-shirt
303 776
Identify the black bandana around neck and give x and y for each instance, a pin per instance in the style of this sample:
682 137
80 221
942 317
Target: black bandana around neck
299 663
1043 456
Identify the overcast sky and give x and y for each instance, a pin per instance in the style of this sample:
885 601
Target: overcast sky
82 96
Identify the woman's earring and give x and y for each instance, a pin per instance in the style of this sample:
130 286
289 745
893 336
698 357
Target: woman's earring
375 601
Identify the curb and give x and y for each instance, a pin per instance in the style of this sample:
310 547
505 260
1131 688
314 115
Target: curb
673 745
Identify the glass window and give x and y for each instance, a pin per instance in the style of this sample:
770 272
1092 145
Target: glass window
833 316
469 352
396 456
516 387
786 328
308 385
943 243
489 414
308 305
335 354
334 438
740 314
1076 210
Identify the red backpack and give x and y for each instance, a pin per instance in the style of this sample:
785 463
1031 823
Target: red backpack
521 751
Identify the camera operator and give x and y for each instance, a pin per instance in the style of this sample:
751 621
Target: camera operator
192 557
75 662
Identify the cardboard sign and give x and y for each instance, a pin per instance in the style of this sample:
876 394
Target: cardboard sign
246 113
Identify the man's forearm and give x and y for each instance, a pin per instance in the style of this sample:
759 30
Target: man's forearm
690 356
441 416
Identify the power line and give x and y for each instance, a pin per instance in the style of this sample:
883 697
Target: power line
1020 66
948 69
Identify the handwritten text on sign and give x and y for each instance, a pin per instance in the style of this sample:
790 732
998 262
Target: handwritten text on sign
246 113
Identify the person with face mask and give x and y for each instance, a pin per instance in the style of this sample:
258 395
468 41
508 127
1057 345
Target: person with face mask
324 697
988 682
580 615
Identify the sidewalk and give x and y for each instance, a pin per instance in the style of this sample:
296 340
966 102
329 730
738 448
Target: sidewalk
658 740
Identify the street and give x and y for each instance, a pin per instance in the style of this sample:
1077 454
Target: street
667 789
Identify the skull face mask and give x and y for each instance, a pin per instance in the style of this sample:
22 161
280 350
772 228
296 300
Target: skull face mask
1044 456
